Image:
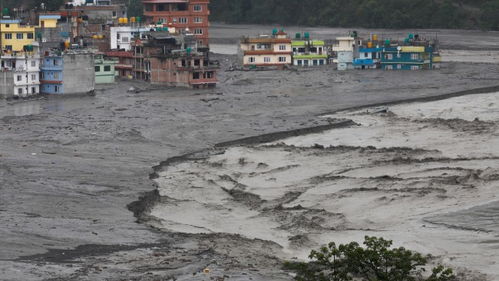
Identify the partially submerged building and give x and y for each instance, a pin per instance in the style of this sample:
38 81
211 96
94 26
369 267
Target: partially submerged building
68 72
20 72
267 50
164 58
124 65
407 58
344 51
105 69
308 52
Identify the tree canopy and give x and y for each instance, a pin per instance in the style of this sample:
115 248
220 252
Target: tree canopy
375 261
361 13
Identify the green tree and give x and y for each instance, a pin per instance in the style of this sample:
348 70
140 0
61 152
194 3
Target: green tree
375 261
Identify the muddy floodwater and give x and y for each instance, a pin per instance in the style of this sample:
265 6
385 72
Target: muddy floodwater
227 183
423 174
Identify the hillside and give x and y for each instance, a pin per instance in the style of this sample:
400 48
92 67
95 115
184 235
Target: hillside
468 14
453 14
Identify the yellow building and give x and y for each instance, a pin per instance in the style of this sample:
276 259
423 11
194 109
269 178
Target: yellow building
48 21
15 35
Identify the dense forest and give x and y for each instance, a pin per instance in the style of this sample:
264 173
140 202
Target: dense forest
361 13
468 14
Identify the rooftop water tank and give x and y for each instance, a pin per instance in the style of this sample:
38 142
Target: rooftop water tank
298 35
306 35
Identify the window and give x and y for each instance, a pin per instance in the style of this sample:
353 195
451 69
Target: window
282 59
30 35
33 63
20 91
414 56
33 77
114 14
19 78
415 67
124 40
282 47
366 55
33 90
56 88
197 62
389 56
198 8
198 20
56 62
198 31
56 75
300 62
266 59
97 68
8 35
399 66
42 75
389 67
8 47
182 20
107 68
251 59
321 62
117 36
315 62
7 25
195 75
20 35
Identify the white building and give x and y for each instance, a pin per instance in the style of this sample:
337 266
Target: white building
121 36
344 49
21 73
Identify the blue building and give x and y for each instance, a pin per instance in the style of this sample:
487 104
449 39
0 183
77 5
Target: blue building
407 58
369 58
51 78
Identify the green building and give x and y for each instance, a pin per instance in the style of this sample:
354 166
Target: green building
104 70
307 52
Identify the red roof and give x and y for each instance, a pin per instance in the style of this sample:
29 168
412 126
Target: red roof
125 54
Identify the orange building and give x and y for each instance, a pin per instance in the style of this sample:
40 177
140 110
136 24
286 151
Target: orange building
181 14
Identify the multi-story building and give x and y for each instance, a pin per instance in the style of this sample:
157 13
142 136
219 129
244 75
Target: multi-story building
267 50
70 72
124 67
14 35
407 58
369 58
122 36
309 52
173 60
51 74
20 72
344 51
184 15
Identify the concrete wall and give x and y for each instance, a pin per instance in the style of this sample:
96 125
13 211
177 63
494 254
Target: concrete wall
6 84
79 73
